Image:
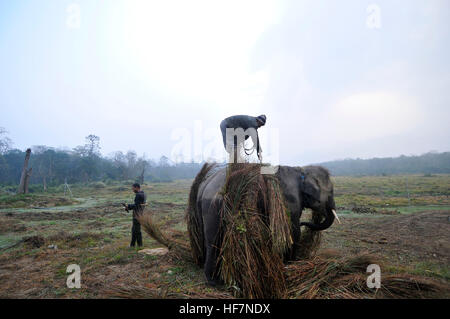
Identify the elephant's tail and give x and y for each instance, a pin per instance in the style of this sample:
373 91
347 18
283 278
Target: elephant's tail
194 217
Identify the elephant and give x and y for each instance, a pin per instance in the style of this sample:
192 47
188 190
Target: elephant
302 187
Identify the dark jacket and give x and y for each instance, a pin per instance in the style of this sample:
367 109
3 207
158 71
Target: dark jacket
240 121
137 207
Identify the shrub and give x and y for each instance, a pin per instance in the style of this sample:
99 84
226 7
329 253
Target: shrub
97 184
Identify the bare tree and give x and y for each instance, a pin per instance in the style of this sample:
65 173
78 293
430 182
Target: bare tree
131 157
91 148
43 162
120 163
27 180
5 141
164 161
93 144
26 173
142 164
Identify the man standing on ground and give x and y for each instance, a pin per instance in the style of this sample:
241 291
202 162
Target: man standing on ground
137 207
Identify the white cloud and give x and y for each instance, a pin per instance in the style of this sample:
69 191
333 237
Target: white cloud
331 86
372 115
194 48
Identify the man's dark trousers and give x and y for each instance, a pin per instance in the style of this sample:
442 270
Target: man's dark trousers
136 234
137 208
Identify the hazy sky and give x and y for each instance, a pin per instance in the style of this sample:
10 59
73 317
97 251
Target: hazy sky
336 79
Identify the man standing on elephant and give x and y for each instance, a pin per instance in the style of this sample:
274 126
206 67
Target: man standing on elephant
238 128
137 208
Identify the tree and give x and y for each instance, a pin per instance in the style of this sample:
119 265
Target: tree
26 173
164 169
90 157
120 164
164 161
141 165
43 160
131 163
81 151
90 149
5 141
93 145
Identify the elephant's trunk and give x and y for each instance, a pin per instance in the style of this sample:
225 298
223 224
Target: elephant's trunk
329 218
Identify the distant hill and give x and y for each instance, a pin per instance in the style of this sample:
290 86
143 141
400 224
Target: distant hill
429 163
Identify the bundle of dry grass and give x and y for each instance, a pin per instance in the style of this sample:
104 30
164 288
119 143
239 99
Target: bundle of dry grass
346 278
279 222
310 239
256 233
176 247
138 292
193 222
397 286
411 287
314 278
143 292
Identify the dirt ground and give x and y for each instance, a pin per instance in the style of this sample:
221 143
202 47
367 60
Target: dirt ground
96 237
404 240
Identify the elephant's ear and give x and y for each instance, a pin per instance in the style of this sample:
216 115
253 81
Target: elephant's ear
310 186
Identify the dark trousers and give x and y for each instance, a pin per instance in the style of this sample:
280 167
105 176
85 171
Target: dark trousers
136 233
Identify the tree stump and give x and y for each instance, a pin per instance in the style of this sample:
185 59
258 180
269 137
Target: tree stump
26 173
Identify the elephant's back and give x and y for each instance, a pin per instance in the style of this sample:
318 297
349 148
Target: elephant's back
212 184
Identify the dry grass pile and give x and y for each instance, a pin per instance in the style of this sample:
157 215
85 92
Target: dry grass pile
279 222
139 292
178 248
310 239
34 241
346 278
407 286
255 232
143 292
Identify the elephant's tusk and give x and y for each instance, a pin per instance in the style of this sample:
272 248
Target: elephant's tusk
335 215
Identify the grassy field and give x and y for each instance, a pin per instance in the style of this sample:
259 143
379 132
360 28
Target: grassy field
405 220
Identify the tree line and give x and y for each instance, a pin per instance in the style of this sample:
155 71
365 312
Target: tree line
83 164
427 164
